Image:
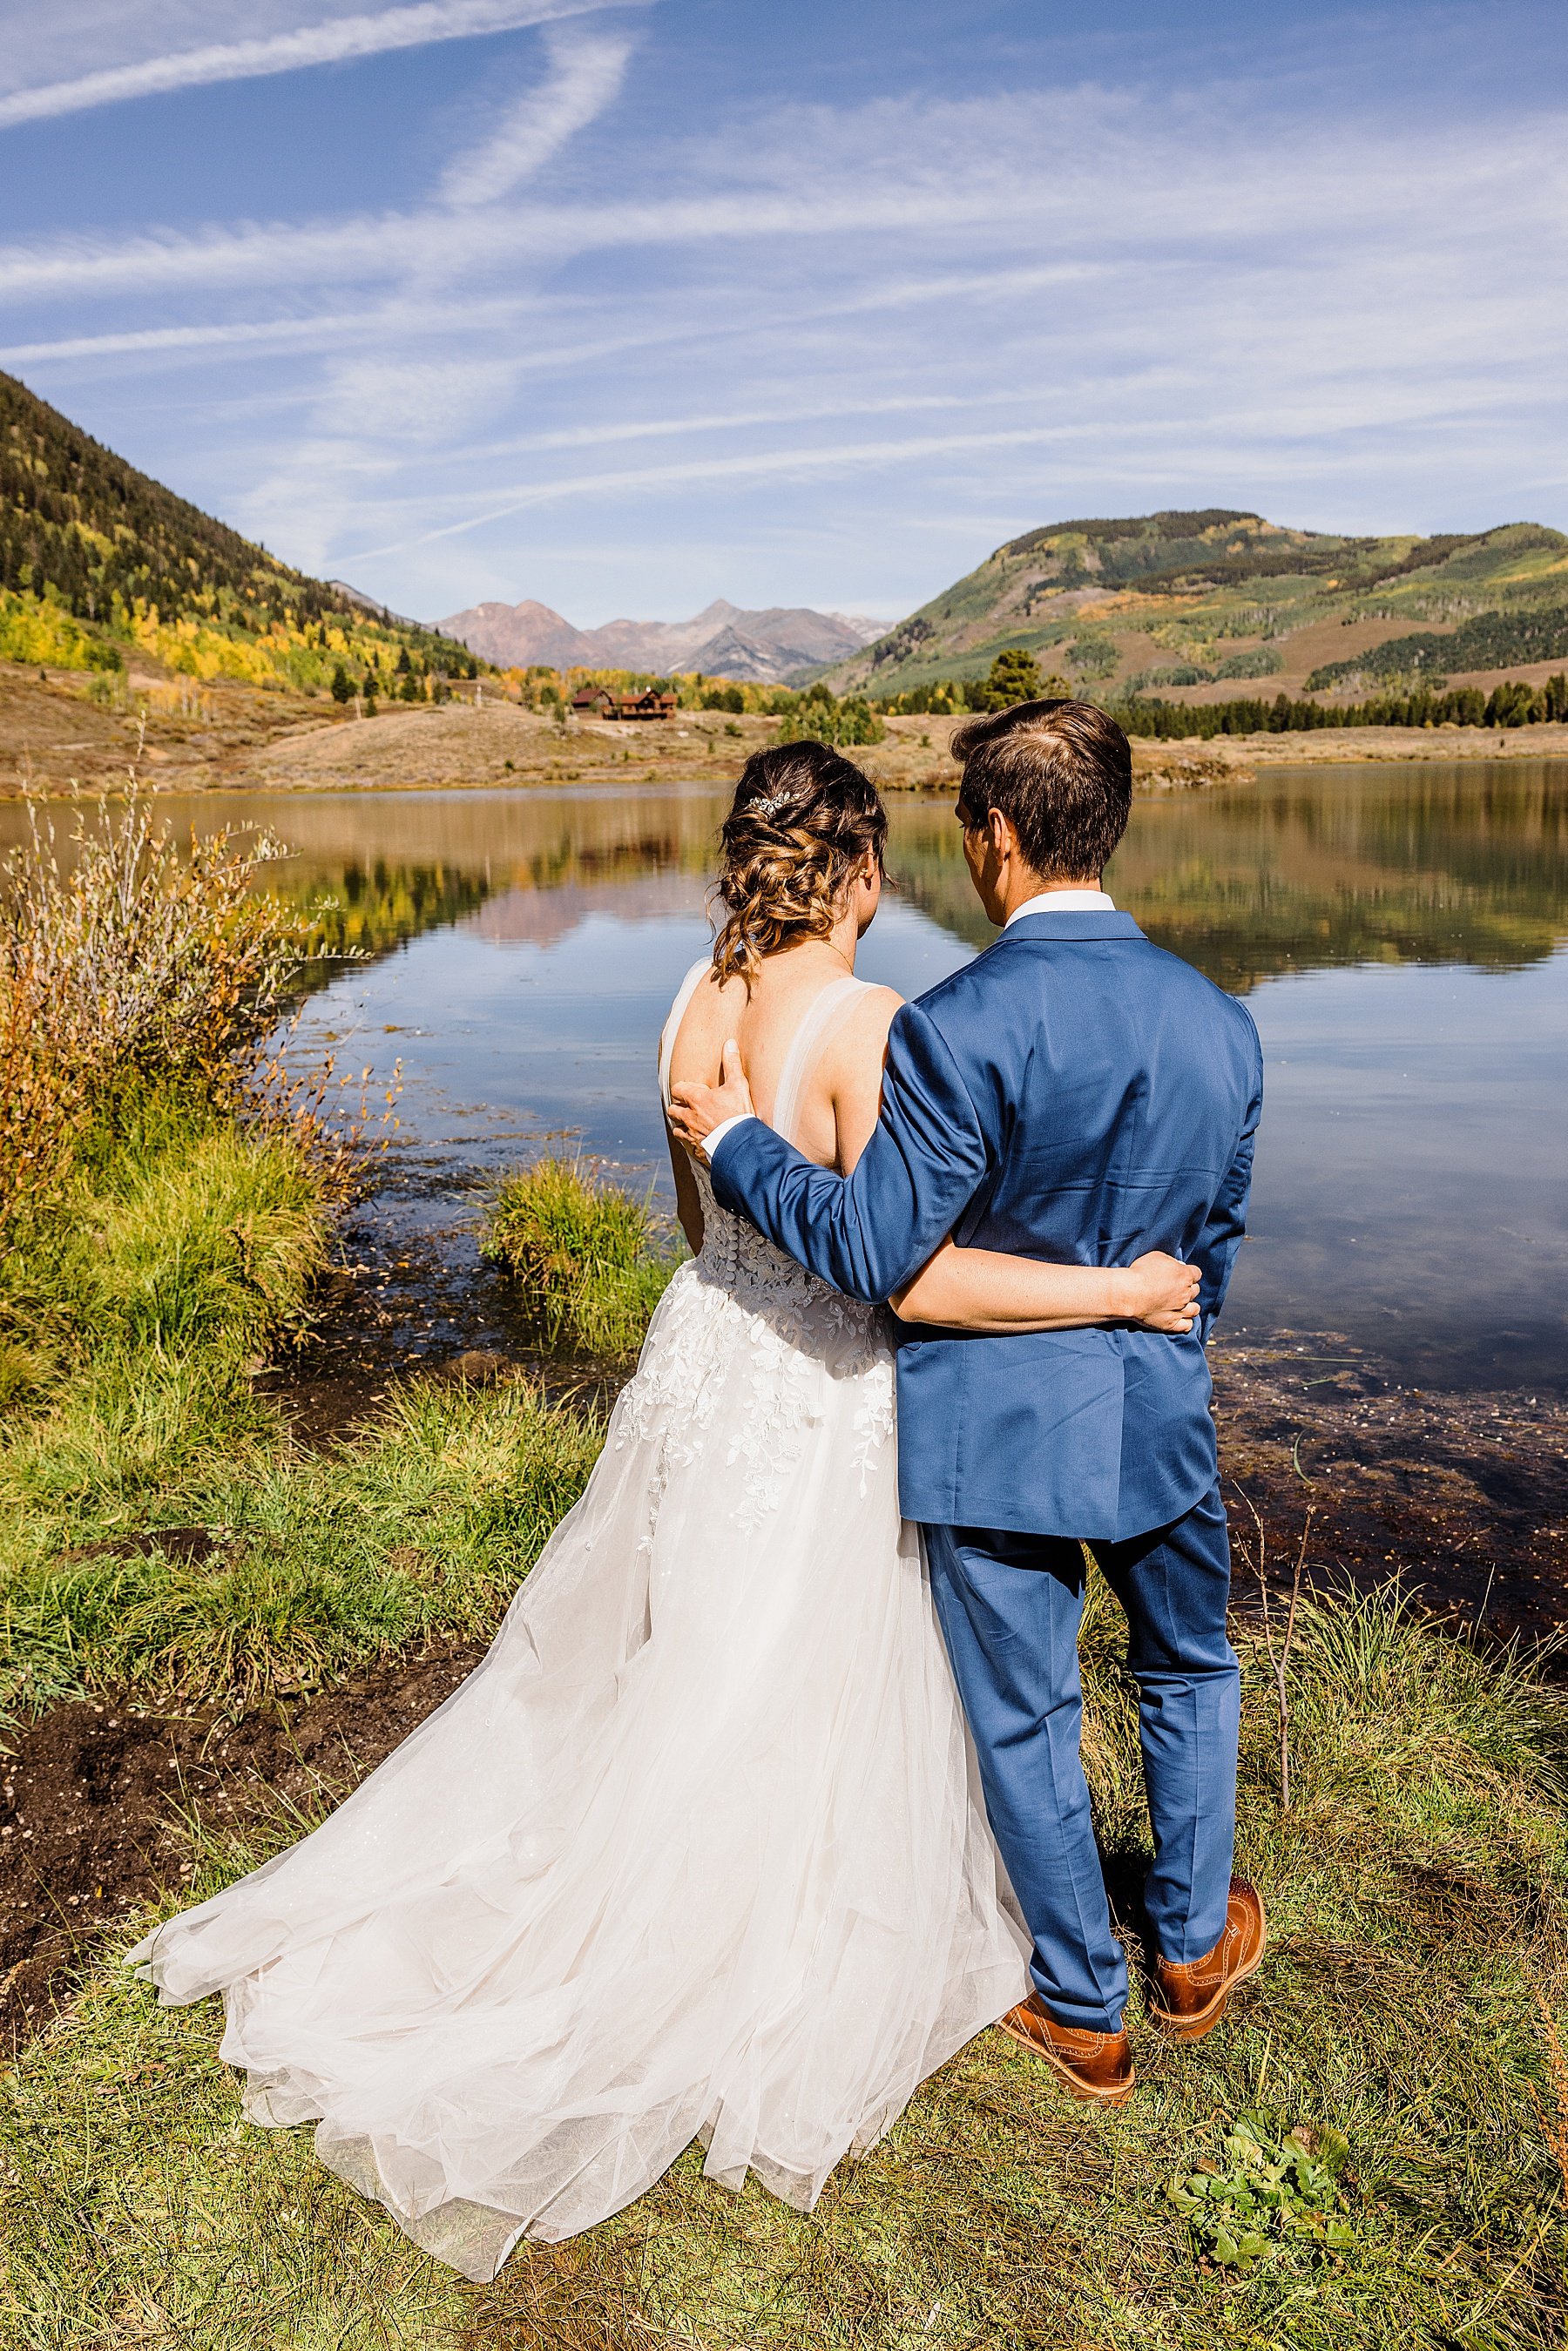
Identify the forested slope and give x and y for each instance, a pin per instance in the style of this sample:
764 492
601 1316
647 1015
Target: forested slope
1191 602
98 559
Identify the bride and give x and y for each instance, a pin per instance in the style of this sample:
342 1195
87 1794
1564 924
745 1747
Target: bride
696 1850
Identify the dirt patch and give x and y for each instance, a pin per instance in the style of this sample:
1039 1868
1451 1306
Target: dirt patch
1463 1498
90 1792
180 733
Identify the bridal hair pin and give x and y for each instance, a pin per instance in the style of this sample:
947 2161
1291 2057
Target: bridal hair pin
768 806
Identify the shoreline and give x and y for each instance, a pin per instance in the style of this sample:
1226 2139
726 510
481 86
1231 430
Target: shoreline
221 738
1458 1494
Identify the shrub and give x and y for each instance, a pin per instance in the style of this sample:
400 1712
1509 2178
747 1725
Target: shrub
124 958
591 1259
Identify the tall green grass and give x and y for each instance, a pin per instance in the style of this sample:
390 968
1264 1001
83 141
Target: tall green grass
1416 1890
182 1250
424 1527
591 1260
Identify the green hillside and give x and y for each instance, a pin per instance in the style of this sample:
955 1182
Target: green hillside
98 562
1188 603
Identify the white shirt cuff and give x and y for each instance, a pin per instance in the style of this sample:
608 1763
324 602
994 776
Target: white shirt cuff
726 1126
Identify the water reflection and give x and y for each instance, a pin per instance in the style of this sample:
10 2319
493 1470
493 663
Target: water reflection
1316 867
1399 933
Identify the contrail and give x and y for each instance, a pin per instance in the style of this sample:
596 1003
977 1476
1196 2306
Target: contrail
312 45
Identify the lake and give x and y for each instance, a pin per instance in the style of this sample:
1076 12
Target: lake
1399 932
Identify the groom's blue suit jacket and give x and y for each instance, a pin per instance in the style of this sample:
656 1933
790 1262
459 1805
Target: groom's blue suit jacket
1074 1094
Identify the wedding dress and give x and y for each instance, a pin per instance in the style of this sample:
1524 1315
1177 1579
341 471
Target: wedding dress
695 1852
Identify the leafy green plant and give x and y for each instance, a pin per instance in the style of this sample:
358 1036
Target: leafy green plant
591 1257
1270 2192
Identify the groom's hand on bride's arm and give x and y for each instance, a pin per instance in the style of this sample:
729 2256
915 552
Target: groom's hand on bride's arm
697 1112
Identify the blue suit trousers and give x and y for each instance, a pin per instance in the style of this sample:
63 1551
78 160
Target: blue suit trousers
1009 1607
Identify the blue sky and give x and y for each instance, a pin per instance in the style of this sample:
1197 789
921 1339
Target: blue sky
630 307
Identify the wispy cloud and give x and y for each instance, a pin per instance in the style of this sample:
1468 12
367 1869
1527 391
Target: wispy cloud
1112 205
1175 304
767 464
587 70
334 43
390 244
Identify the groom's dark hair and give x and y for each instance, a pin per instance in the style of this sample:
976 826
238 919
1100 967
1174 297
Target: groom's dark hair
1061 772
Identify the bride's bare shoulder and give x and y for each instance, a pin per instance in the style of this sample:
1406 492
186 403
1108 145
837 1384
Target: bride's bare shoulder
876 1008
860 1040
710 1011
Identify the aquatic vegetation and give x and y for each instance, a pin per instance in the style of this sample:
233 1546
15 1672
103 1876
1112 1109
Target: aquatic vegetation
591 1259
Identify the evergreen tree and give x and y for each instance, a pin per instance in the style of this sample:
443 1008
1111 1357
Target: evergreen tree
342 692
1015 677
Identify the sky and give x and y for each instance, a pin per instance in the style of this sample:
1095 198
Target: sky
630 307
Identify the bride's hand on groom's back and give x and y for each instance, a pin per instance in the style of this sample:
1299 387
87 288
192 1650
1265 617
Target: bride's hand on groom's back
1160 1292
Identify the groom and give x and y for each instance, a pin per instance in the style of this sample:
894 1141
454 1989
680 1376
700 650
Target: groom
1074 1094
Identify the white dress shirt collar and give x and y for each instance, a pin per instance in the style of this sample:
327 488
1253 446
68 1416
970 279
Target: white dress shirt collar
1062 901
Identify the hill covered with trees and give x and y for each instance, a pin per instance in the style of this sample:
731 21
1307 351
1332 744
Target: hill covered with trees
1187 604
99 561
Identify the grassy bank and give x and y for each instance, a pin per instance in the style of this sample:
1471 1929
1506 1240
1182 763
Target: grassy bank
164 1542
182 1249
1416 1890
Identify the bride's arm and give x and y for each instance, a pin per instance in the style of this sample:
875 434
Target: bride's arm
987 1290
689 1205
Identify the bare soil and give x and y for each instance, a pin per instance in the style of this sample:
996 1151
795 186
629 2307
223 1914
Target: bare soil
176 731
90 1795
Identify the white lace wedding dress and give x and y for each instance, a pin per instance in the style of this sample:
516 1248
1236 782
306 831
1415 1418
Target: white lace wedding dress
696 1850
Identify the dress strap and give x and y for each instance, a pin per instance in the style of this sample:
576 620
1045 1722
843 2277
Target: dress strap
822 1016
684 995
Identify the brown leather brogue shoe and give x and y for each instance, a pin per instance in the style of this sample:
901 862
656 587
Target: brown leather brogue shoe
1194 1994
1096 2066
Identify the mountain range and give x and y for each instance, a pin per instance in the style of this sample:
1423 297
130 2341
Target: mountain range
99 565
1193 604
782 645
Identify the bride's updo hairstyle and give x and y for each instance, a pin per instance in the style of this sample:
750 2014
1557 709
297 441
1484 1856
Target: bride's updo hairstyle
801 821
